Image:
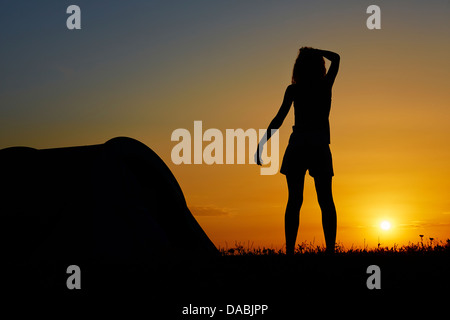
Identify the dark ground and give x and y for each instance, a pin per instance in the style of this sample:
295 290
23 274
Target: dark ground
289 286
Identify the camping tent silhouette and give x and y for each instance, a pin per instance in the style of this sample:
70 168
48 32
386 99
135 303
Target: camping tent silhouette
116 200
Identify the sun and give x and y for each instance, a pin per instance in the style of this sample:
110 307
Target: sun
385 225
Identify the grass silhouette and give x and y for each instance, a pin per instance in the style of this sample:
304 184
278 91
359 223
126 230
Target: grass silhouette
431 246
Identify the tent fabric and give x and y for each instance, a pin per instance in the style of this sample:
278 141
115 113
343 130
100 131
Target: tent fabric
116 200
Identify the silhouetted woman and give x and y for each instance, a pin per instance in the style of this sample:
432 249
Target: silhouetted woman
308 147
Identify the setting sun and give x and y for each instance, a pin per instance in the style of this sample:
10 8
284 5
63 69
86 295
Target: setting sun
385 225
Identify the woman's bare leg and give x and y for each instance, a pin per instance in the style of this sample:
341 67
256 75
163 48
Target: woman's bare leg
326 203
291 220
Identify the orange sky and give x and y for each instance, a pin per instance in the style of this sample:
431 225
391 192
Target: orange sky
228 65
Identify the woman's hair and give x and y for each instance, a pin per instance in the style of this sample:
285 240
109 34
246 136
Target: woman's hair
309 66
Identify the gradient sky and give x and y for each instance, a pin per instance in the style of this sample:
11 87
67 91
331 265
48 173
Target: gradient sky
145 68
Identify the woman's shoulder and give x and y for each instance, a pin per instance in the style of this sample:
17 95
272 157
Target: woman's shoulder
292 88
291 91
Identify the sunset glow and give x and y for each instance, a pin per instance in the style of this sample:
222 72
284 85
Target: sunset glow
137 73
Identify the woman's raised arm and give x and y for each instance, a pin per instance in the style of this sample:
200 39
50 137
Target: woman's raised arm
334 67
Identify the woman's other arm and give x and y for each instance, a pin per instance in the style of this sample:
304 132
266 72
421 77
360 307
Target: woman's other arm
277 121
